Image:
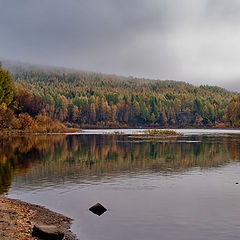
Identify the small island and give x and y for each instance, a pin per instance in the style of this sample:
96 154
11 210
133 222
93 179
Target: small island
156 134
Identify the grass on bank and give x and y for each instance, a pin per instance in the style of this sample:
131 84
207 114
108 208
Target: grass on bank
26 124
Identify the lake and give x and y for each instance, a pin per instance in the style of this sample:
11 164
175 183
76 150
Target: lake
176 188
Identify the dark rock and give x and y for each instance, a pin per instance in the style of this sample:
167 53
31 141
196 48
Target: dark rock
236 183
49 232
98 209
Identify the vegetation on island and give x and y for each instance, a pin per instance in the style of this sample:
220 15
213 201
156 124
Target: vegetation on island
47 100
156 133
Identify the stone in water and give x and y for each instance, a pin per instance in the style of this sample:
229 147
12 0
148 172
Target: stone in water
98 209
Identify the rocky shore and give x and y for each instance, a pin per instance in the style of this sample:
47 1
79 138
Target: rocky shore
17 220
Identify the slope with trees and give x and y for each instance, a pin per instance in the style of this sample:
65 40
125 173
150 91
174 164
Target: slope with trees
23 111
96 100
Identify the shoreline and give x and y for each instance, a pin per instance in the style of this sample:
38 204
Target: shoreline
21 133
17 219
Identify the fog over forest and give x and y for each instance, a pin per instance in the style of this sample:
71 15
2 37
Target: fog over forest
194 41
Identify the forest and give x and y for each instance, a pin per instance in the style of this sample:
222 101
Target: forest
48 99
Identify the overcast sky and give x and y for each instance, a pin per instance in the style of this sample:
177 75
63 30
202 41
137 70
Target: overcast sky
197 41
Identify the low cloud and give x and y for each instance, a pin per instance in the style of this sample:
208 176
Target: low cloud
195 41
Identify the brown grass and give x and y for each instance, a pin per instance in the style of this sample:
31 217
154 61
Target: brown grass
156 133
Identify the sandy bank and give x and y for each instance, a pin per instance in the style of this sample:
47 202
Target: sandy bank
17 219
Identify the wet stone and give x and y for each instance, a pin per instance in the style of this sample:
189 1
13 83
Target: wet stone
98 209
48 232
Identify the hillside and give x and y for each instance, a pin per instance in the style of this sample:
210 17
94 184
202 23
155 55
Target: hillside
86 99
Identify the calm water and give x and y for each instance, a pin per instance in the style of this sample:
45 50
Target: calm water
176 188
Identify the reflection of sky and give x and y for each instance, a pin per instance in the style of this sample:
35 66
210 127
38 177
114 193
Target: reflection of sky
178 189
200 204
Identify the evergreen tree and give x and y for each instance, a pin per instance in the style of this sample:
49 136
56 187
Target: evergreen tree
6 87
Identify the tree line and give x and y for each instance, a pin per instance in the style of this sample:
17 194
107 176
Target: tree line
21 110
93 100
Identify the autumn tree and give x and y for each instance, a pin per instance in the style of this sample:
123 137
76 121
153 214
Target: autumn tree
28 103
232 116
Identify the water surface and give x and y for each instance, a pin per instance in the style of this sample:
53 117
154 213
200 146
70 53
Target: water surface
178 188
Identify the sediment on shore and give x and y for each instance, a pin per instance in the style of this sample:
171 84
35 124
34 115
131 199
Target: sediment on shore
18 218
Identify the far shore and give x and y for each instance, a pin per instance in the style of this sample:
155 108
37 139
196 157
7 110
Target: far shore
20 132
77 130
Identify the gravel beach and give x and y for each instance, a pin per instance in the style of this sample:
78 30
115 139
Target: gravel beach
17 219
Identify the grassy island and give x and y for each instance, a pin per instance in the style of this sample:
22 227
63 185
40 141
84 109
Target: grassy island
157 133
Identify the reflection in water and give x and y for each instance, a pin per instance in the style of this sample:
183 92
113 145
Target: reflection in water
75 158
181 188
18 155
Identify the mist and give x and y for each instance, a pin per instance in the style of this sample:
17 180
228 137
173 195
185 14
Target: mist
194 41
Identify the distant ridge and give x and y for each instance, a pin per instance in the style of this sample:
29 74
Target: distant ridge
89 99
18 66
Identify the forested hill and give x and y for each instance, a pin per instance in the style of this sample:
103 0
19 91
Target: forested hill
97 100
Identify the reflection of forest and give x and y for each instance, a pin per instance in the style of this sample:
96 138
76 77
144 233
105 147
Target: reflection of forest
19 154
60 157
